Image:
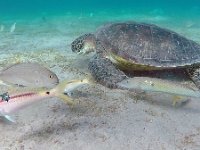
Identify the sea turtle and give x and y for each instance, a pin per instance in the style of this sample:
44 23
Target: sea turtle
137 47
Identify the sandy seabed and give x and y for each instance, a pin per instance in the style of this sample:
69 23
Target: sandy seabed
103 119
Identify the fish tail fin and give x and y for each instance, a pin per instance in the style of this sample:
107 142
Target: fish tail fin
175 100
66 98
59 91
63 89
7 119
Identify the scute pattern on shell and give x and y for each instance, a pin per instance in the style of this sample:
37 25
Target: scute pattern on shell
148 44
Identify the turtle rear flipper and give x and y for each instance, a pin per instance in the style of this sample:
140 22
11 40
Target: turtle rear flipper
194 73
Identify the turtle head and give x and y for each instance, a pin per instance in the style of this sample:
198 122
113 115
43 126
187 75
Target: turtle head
84 44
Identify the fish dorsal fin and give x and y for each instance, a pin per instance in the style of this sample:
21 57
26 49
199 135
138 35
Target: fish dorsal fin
19 64
8 67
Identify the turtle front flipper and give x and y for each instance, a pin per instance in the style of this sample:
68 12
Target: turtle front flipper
105 72
194 73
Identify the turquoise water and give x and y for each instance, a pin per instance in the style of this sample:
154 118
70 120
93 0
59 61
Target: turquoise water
184 8
168 13
52 21
43 32
55 24
22 6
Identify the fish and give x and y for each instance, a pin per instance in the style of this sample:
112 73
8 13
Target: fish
148 84
12 28
29 75
16 99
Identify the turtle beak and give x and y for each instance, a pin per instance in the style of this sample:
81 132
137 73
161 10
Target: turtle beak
81 53
84 51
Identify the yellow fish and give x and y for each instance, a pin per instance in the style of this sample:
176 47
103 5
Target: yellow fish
147 84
